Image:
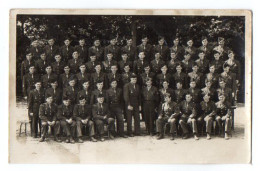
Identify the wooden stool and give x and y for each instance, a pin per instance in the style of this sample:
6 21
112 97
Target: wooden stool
25 123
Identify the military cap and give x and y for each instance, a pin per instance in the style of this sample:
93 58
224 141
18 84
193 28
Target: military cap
85 81
128 37
31 65
225 65
111 37
100 96
81 38
220 39
146 65
71 79
230 51
144 36
160 38
133 75
99 81
167 95
204 37
96 38
148 79
91 53
67 38
49 65
53 81
113 80
82 98
66 66
124 52
65 98
222 81
48 95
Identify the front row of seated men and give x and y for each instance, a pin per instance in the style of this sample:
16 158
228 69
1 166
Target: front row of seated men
72 118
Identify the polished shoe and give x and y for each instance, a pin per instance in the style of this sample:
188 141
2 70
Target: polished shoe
111 137
57 139
79 140
160 137
123 136
93 139
102 139
226 136
41 139
172 137
195 137
67 140
131 135
72 141
208 137
185 136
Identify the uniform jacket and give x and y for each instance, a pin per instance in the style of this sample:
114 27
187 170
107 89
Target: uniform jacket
147 49
157 65
48 112
131 52
167 111
51 51
98 51
35 99
57 95
74 65
71 94
138 66
66 52
25 67
58 68
40 66
99 111
163 50
65 112
86 95
132 96
29 81
115 50
46 80
83 52
95 94
114 96
82 112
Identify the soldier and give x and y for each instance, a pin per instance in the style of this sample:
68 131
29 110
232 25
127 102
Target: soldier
163 76
212 76
113 75
36 98
164 90
223 90
125 60
179 93
75 63
194 92
132 99
114 98
209 90
234 65
65 77
82 50
162 49
168 113
150 99
82 76
126 74
46 79
223 114
221 48
179 76
26 64
29 81
145 48
172 63
177 49
41 64
157 63
113 48
108 62
35 49
98 76
82 114
207 112
65 116
187 63
71 91
96 50
202 62
101 116
229 78
139 64
99 90
86 92
48 115
190 49
51 50
55 92
188 116
90 65
217 62
205 48
129 49
58 65
66 50
145 75
195 75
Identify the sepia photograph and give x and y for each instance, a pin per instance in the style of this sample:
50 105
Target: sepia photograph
130 86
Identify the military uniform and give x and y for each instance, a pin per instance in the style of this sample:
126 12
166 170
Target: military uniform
156 66
195 93
64 80
213 78
51 51
36 98
162 77
99 111
223 115
116 77
168 113
180 77
86 94
138 67
115 50
95 94
227 92
95 77
218 66
90 66
83 53
98 51
46 80
210 91
186 66
234 68
163 50
40 66
163 92
66 52
25 67
114 99
106 65
150 98
56 95
192 51
197 77
64 113
29 81
143 78
131 52
147 49
230 80
187 110
81 112
74 65
81 78
48 112
172 66
132 96
58 67
179 95
121 65
36 52
70 93
203 65
179 50
125 77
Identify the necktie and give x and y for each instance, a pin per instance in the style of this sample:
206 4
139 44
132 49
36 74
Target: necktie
67 48
129 48
48 76
82 75
72 88
36 50
51 48
97 49
82 48
44 62
114 90
144 47
134 86
67 76
29 62
32 76
114 76
54 91
75 61
93 63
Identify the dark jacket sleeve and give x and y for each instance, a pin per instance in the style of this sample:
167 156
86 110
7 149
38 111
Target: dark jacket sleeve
41 113
59 115
30 102
55 113
75 113
126 94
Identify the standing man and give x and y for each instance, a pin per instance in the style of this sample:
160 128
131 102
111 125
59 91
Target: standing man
66 50
146 48
162 49
48 115
55 92
132 97
96 50
113 48
65 115
48 77
101 116
51 50
129 49
36 98
82 50
82 114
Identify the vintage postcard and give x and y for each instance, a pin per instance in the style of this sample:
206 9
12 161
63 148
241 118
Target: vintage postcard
130 86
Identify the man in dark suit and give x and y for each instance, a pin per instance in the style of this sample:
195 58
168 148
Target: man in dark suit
75 63
58 65
41 64
82 114
48 77
48 115
65 116
51 50
55 92
162 49
129 49
29 81
66 50
96 50
112 48
82 50
146 48
132 97
71 91
65 77
36 98
101 116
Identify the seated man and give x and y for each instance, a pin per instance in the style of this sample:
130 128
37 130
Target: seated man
168 112
82 115
48 116
188 116
65 115
101 116
223 114
207 111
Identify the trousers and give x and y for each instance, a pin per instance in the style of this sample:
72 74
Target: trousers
100 125
69 129
117 112
160 123
149 115
90 126
185 122
133 113
45 127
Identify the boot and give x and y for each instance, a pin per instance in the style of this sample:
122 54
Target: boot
172 137
195 137
57 139
93 139
208 136
42 139
160 136
226 136
79 140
